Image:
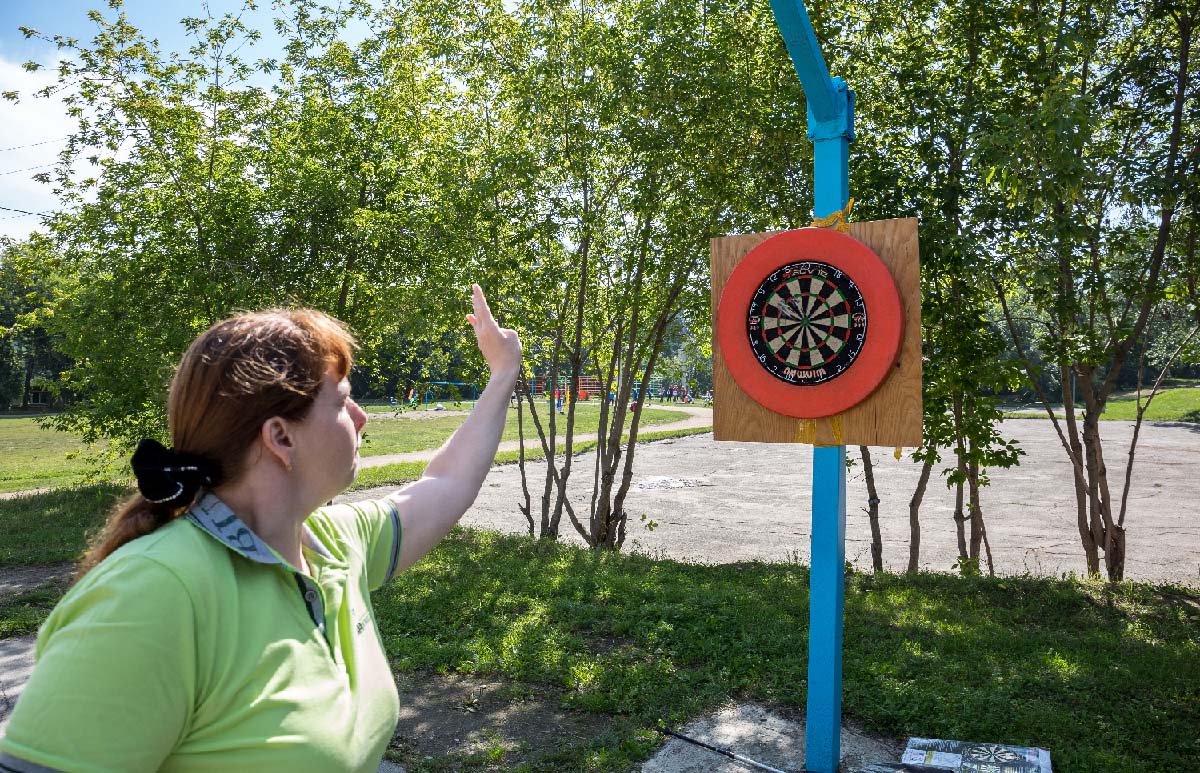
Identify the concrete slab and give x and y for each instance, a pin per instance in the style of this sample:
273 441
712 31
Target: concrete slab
16 664
754 732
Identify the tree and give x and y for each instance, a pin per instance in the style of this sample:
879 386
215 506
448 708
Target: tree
1092 161
226 196
923 98
29 354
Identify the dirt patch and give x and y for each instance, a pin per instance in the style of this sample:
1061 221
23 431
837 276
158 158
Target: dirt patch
19 580
490 723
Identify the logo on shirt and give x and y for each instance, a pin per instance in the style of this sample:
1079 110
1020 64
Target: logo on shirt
363 620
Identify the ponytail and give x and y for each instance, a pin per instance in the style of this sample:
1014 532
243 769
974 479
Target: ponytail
135 517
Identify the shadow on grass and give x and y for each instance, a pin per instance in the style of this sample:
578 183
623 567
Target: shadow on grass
1106 678
53 527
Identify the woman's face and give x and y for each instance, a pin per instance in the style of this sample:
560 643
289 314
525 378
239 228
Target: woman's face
328 438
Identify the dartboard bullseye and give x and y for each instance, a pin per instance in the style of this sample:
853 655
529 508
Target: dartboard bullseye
807 323
810 322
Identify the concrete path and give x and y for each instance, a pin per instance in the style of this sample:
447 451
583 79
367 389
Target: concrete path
757 734
697 417
16 664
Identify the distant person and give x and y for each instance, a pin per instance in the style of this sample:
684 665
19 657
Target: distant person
221 620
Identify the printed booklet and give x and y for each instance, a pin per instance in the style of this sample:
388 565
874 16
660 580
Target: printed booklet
930 755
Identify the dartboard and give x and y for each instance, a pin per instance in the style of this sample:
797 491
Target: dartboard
809 323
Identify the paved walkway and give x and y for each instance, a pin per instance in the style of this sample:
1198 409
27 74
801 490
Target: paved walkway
726 502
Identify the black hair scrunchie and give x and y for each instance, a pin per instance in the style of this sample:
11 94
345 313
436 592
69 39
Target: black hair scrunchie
166 476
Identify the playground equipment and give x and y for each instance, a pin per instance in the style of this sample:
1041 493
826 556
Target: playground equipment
816 339
432 392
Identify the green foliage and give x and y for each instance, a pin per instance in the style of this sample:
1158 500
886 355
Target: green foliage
12 374
28 352
227 197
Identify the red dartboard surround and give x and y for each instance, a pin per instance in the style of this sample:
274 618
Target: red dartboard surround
882 323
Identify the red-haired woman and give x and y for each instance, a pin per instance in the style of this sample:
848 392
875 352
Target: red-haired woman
222 619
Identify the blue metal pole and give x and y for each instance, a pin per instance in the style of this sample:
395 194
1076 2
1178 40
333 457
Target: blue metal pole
831 129
823 723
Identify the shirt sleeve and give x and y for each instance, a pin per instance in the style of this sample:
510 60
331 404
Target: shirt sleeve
114 680
373 528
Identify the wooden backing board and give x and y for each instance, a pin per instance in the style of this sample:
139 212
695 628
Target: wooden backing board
891 416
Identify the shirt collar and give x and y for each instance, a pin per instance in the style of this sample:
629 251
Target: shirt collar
214 516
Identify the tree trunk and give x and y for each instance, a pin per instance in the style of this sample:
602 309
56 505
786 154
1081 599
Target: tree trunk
960 453
872 510
666 314
976 511
978 528
1087 536
1112 536
914 522
25 395
527 505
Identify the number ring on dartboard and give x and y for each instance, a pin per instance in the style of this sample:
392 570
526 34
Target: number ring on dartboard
810 323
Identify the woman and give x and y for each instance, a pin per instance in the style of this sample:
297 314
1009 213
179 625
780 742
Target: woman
222 620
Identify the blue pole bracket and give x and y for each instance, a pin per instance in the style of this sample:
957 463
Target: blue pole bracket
841 125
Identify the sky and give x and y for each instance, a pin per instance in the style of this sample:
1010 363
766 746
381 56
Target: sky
34 130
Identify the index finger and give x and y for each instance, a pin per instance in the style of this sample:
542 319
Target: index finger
482 311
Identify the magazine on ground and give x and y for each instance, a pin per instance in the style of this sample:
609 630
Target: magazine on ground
931 755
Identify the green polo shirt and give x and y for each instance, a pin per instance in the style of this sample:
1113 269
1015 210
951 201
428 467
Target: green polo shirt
197 648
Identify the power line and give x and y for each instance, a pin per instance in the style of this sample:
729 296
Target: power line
33 144
25 211
26 169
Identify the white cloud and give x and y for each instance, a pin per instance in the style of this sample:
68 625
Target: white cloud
32 132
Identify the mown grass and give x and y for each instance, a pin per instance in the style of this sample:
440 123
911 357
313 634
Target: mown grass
386 435
34 457
1176 404
23 614
53 527
1181 404
1106 678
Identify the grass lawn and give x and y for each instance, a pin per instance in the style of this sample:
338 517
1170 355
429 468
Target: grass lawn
1106 678
1180 404
1176 404
34 457
401 435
